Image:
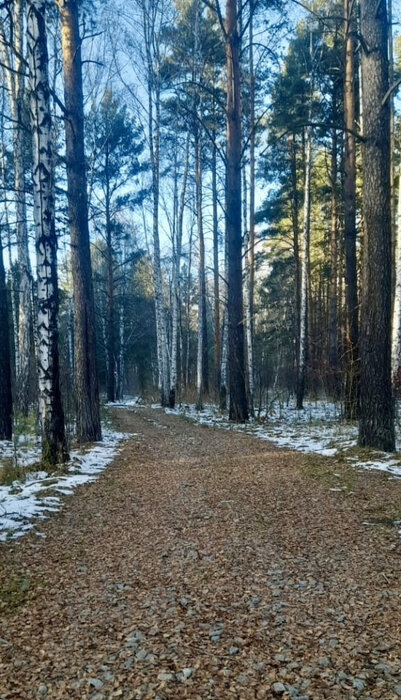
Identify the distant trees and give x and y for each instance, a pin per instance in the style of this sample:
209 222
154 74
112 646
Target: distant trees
172 274
114 143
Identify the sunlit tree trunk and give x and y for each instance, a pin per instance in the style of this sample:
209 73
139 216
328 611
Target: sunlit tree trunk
6 402
50 408
236 360
176 292
396 325
376 428
12 58
351 397
86 379
216 278
303 323
250 287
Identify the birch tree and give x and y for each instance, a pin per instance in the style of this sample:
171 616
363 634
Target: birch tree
12 54
6 401
50 407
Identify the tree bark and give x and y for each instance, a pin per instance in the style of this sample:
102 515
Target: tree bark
216 280
351 397
304 284
396 325
50 407
6 401
176 292
236 360
13 62
376 427
86 378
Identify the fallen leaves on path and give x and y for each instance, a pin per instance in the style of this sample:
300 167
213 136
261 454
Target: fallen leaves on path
207 564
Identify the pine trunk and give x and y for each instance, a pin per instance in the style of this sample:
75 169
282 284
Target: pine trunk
86 378
376 428
236 360
50 407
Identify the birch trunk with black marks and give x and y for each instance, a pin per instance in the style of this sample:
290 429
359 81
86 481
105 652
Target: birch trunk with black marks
216 277
351 392
12 58
6 400
50 407
176 292
376 427
304 273
236 360
333 384
396 325
86 378
250 286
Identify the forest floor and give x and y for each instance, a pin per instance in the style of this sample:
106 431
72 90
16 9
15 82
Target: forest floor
206 563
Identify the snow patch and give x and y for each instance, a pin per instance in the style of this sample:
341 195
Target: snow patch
24 502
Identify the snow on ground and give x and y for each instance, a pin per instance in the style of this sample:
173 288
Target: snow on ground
316 429
24 502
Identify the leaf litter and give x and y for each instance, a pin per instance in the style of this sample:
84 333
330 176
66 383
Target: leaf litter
207 564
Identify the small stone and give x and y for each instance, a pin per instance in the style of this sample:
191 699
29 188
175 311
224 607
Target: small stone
187 672
241 678
234 650
324 661
397 689
184 601
96 683
278 688
141 655
42 689
342 676
163 676
358 684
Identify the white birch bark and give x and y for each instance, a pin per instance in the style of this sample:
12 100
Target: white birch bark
176 296
50 409
153 87
396 325
12 59
304 270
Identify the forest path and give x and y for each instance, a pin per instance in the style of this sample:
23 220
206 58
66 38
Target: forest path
206 563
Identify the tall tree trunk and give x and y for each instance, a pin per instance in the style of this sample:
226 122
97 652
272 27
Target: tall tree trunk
13 62
50 408
202 364
304 284
236 360
110 334
250 287
153 89
6 401
176 304
396 325
216 280
351 398
333 296
295 230
86 378
376 428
